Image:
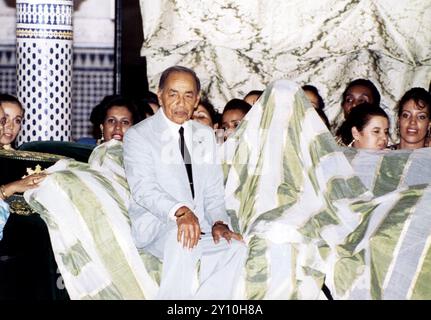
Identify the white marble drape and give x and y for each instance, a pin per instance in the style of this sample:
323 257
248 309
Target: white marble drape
239 45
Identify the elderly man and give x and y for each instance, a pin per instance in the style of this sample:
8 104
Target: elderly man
178 212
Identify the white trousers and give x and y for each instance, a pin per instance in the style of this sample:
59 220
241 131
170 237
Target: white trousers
208 271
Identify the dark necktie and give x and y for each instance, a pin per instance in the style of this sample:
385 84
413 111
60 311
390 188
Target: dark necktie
187 160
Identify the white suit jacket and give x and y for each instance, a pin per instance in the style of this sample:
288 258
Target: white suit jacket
158 179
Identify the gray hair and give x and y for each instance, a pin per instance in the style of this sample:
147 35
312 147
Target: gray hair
181 69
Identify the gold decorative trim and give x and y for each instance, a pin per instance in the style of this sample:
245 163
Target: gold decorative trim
50 34
30 155
18 205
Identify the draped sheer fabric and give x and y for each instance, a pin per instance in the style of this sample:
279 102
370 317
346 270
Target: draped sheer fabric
356 218
310 212
240 45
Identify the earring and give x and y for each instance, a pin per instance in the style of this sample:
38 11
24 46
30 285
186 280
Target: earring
351 143
102 139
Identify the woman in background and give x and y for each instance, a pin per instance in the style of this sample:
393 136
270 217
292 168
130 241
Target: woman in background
414 113
359 91
206 114
19 186
111 118
14 113
148 105
316 100
253 96
233 112
366 127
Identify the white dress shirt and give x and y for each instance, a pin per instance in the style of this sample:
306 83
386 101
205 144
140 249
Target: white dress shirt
175 127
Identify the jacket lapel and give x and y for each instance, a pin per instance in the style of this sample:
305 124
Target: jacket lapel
199 145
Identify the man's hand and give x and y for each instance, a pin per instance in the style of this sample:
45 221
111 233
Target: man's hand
220 229
189 230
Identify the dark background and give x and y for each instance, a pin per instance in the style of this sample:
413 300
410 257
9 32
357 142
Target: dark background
130 68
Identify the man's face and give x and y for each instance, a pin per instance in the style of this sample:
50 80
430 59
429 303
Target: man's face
179 97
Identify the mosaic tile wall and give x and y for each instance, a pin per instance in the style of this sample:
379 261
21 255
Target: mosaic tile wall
8 68
44 42
93 78
93 59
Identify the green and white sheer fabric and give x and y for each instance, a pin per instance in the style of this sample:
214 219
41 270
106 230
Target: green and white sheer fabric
310 212
85 209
